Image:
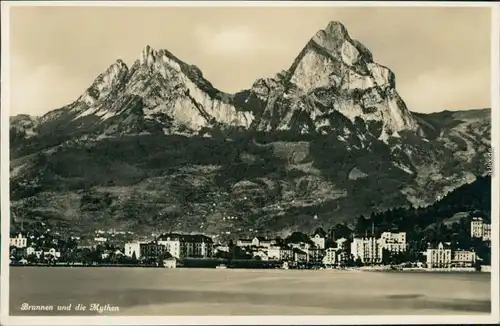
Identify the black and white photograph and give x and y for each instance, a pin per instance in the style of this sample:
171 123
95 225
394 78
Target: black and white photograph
254 160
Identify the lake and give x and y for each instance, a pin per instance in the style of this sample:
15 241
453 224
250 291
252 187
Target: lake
157 292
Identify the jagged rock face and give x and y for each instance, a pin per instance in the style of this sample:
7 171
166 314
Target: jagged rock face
333 73
158 89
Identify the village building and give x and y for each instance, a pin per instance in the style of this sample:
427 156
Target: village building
486 232
256 242
300 255
187 245
170 262
319 238
151 250
221 248
133 249
368 250
393 242
280 253
476 227
479 229
52 253
260 254
315 255
463 258
30 250
439 256
18 241
330 258
342 244
100 239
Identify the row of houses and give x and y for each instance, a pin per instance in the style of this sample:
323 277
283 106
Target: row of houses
442 256
370 250
314 249
22 254
21 249
317 240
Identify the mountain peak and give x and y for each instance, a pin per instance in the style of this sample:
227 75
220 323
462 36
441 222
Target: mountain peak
105 82
121 64
333 35
148 55
336 29
335 40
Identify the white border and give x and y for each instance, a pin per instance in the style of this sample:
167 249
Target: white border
249 320
5 161
495 138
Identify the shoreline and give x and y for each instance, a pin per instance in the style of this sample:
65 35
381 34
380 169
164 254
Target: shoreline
349 269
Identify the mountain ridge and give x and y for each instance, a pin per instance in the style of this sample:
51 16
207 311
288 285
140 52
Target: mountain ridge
329 136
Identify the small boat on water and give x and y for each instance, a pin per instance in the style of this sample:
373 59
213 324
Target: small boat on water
221 266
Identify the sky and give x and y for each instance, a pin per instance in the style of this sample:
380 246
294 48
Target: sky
440 56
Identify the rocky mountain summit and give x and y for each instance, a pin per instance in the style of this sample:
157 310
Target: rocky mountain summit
332 74
328 137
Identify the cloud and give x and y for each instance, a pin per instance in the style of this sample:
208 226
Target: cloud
38 90
440 90
235 41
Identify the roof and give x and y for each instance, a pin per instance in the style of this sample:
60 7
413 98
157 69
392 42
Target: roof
299 251
17 234
185 237
260 238
320 232
446 245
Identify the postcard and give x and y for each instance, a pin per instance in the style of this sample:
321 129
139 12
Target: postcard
249 163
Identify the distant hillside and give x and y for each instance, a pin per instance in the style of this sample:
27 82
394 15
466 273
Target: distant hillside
446 220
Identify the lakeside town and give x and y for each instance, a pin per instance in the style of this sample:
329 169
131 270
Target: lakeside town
319 250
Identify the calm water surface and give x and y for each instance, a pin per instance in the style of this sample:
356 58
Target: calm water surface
138 291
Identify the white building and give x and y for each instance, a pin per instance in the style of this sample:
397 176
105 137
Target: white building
319 241
330 258
173 245
463 258
187 245
279 253
341 243
476 227
439 257
256 242
486 232
367 249
480 229
221 248
261 254
132 248
319 238
393 242
52 252
170 262
19 241
30 251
